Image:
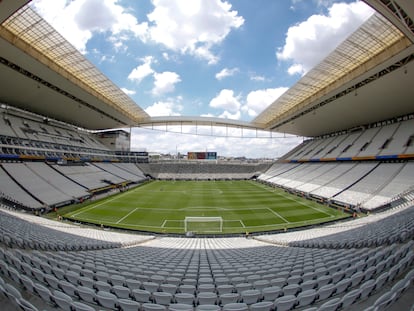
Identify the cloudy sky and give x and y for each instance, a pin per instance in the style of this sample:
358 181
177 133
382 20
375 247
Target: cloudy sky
228 59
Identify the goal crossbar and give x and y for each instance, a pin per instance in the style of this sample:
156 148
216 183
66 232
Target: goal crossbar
203 219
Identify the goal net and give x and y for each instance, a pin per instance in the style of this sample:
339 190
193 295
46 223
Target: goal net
203 224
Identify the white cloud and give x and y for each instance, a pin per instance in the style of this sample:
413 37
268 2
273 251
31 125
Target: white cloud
228 115
128 92
226 72
227 101
165 82
165 142
78 20
103 16
319 3
168 108
311 41
296 69
257 78
259 100
192 27
142 71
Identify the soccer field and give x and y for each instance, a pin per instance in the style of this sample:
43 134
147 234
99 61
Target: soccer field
244 206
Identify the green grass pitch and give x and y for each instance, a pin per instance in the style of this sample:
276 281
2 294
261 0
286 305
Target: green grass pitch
245 206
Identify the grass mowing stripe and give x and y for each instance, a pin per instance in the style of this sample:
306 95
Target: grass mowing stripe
298 201
102 203
307 205
161 206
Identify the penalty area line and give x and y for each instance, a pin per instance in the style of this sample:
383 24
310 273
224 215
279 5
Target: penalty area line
278 215
126 215
241 222
103 202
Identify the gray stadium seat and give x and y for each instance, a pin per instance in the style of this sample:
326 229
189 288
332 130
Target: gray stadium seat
129 305
162 298
238 306
27 283
331 305
86 294
262 306
184 298
243 286
225 289
306 297
169 288
25 305
100 285
271 293
285 303
180 307
141 295
208 308
62 300
342 285
385 300
291 289
326 291
187 288
121 291
349 298
43 292
86 281
150 286
260 284
207 298
52 281
280 282
206 287
117 279
356 278
79 306
366 288
250 296
323 280
309 284
229 298
106 299
153 307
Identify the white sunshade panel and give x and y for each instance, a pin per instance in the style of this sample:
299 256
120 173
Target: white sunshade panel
372 38
28 26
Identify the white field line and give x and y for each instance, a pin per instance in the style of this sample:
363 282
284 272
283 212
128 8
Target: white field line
163 224
126 215
314 208
241 222
278 215
157 227
301 203
102 203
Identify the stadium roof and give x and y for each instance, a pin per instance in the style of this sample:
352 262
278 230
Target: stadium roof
47 75
373 38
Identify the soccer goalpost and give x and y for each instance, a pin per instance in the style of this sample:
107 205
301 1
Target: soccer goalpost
203 224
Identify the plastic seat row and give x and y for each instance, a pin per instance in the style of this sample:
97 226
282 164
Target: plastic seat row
47 289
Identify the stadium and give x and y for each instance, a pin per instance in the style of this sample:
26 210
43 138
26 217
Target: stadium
88 224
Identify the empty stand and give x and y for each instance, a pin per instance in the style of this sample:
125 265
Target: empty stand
155 274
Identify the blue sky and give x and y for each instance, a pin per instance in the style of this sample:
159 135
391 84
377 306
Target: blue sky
227 59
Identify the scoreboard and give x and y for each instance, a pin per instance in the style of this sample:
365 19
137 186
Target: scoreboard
202 155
